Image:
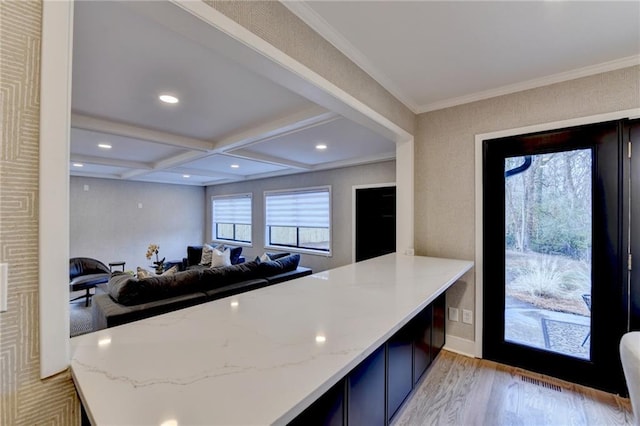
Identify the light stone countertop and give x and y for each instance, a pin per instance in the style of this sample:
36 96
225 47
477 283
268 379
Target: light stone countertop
260 357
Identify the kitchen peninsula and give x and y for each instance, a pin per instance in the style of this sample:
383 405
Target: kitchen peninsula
261 357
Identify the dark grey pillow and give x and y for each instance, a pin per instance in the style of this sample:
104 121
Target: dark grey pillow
269 268
128 290
276 256
289 263
226 275
275 267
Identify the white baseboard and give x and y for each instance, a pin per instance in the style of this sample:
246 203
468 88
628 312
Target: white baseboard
460 346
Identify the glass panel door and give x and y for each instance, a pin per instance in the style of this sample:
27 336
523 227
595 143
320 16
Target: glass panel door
548 249
554 254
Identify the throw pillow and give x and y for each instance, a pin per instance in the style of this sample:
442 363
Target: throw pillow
220 258
289 263
276 256
265 257
235 254
170 271
143 273
207 250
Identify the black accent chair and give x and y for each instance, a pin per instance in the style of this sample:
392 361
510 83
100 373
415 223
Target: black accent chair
84 274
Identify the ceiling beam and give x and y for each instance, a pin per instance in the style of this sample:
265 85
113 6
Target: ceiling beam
292 123
101 161
207 173
264 158
85 122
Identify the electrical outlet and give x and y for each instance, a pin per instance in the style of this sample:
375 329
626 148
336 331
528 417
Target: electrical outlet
453 314
467 316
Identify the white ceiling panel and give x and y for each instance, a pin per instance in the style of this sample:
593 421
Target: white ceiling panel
344 139
122 61
222 164
85 142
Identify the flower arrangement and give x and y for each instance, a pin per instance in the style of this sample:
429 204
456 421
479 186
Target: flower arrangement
154 249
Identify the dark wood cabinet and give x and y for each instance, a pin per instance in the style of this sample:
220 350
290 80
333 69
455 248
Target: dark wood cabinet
421 330
438 330
374 390
366 391
328 410
399 368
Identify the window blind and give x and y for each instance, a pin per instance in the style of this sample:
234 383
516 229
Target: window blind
232 210
306 209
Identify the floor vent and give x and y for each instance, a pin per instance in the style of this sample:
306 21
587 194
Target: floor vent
542 383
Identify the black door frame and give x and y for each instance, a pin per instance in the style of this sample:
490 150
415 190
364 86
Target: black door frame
602 370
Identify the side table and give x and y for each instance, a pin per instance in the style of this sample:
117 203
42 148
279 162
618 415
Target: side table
119 263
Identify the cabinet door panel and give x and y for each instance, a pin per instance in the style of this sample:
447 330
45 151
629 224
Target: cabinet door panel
328 410
399 368
438 331
421 342
367 391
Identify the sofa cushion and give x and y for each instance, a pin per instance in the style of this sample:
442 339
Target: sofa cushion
276 256
220 258
283 264
218 277
129 290
207 252
194 254
234 255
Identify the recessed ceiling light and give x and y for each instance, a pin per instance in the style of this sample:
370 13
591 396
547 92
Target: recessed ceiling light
321 147
169 99
320 338
104 146
235 166
78 165
186 176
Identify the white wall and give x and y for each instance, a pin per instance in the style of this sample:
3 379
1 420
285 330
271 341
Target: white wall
341 181
106 223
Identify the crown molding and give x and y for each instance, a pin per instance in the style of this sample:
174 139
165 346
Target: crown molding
326 31
626 62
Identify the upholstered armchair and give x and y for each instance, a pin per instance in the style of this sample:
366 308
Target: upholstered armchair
630 357
84 274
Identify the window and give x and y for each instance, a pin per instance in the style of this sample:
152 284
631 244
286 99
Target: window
299 218
232 218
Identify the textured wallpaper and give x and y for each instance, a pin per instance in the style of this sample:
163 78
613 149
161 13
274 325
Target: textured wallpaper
445 160
25 399
447 137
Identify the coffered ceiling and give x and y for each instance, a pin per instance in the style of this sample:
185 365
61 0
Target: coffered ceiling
430 55
230 123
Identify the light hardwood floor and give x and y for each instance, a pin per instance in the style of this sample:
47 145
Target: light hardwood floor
458 390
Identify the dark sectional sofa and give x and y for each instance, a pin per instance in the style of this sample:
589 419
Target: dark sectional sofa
129 298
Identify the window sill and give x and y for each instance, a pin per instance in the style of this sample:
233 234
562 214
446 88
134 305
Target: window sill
300 250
